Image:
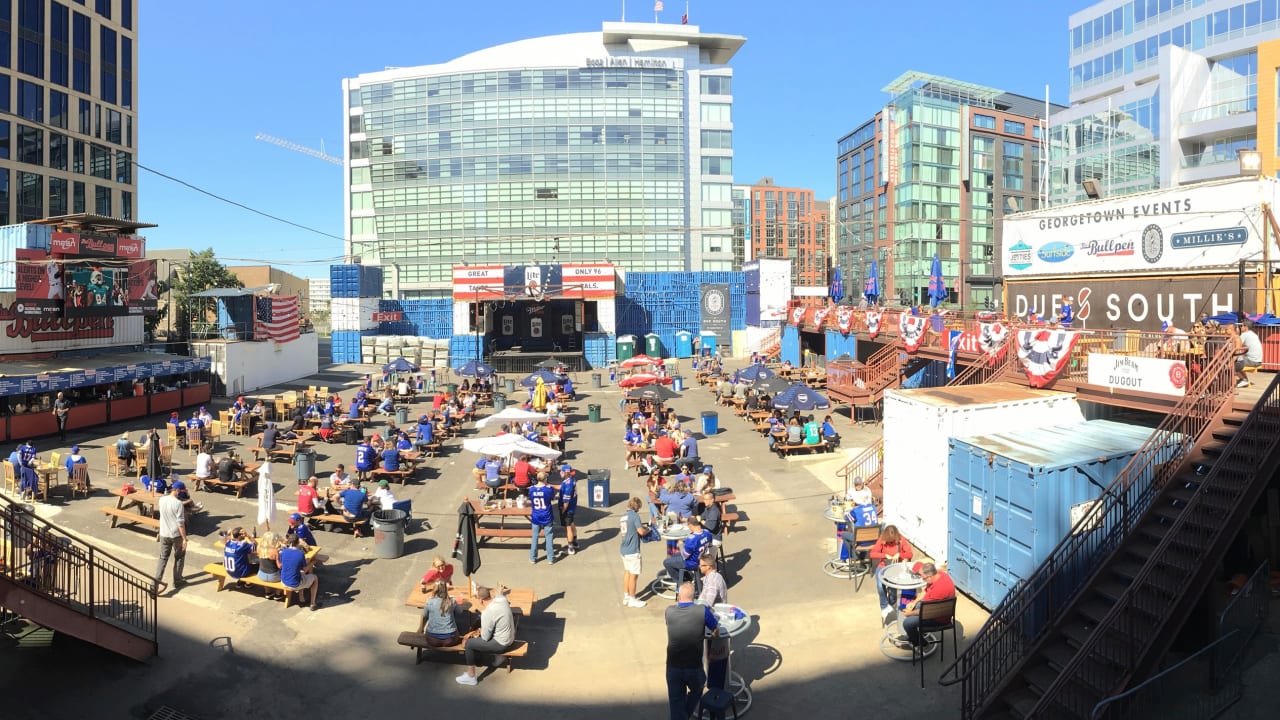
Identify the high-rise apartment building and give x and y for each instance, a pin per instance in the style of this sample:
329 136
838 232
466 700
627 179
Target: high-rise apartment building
741 225
787 223
1165 93
933 172
613 145
68 98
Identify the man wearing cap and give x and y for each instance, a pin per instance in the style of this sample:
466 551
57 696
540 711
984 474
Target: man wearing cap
173 540
541 497
497 630
178 427
293 574
426 431
125 452
1068 312
569 506
75 458
299 529
206 417
230 467
353 507
862 514
383 495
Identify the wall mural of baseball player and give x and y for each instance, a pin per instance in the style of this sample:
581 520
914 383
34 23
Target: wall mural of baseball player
38 283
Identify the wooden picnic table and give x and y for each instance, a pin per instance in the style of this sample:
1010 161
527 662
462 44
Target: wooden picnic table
501 530
50 476
521 599
139 506
311 552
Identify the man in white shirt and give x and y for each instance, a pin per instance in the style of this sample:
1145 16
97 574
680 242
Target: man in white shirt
206 417
383 495
403 389
204 467
173 540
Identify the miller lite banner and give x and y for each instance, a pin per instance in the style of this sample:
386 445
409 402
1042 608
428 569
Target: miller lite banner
475 283
1207 226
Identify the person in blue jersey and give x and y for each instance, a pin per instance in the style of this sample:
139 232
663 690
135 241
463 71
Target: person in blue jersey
691 550
365 459
569 506
298 528
235 553
1068 311
403 442
541 497
353 501
391 458
293 572
353 412
27 455
75 458
426 431
829 433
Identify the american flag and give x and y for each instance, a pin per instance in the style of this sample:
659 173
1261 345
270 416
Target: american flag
276 318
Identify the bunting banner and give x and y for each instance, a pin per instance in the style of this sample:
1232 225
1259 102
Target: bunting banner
820 318
873 323
911 328
797 316
844 319
992 337
1044 353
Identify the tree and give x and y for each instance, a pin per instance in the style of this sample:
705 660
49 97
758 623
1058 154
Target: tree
202 272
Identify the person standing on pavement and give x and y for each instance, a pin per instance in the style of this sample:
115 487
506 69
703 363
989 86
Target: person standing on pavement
632 531
61 409
687 626
569 506
541 497
173 540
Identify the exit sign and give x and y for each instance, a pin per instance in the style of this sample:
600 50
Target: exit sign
382 317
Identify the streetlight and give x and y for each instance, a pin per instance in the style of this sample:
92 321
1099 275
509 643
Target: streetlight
1250 162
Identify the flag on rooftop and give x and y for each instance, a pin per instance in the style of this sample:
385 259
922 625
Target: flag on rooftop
275 318
657 6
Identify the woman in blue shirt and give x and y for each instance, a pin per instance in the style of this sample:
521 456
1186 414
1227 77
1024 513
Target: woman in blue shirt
437 620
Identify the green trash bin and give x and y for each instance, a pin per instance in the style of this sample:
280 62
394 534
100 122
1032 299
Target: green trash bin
509 384
593 413
653 345
451 388
499 402
626 347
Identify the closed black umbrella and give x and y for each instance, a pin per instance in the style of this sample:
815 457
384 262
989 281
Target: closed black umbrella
465 547
153 455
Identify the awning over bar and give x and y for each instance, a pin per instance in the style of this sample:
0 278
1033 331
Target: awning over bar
40 376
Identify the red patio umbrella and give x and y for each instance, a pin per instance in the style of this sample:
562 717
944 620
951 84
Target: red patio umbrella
637 361
642 379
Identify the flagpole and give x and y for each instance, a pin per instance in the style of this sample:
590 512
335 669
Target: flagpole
624 10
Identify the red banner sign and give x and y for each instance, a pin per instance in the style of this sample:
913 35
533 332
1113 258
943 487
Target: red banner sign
131 246
38 283
911 329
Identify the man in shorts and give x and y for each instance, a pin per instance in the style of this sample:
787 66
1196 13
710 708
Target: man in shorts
293 564
632 531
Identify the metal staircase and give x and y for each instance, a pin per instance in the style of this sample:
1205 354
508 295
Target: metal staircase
771 346
986 371
868 465
61 582
1098 613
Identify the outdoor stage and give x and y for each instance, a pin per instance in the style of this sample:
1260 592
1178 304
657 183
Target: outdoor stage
516 360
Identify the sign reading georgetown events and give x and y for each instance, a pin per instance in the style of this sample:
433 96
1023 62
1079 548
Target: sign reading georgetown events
1208 226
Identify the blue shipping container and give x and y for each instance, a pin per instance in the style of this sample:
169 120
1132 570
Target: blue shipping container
839 344
1012 497
791 344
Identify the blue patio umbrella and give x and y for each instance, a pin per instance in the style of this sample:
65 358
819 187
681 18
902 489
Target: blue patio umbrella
474 368
871 290
937 284
837 286
800 397
547 376
753 374
399 365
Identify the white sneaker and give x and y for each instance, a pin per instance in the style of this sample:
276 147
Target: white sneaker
636 602
572 550
465 679
626 601
884 613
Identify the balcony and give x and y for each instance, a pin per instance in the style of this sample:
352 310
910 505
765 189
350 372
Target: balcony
1224 118
1222 109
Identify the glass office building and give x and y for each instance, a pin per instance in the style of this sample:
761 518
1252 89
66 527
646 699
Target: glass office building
68 91
1165 93
934 172
614 145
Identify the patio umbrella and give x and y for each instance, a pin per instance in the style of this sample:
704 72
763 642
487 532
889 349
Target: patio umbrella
937 284
772 386
546 376
474 368
510 414
507 445
800 397
652 392
550 363
465 548
753 374
837 286
642 379
637 361
153 455
871 290
399 365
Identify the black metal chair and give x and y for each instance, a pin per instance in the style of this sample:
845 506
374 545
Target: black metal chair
936 617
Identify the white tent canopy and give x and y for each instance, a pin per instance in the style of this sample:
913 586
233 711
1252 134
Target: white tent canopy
508 445
511 414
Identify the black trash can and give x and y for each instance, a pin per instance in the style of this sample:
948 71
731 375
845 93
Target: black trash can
304 462
388 533
598 487
354 433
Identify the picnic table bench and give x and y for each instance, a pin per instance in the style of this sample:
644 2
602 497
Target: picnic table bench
219 571
784 448
418 641
403 474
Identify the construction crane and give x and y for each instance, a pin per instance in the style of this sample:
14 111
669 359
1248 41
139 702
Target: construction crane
318 154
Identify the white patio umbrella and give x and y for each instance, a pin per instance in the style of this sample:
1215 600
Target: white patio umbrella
508 445
511 414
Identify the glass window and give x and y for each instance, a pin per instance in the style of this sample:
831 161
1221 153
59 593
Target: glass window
113 126
102 200
717 139
31 37
30 101
99 161
30 196
5 102
124 167
81 40
4 139
126 72
1013 127
57 151
715 85
85 123
360 175
77 156
57 196
59 44
4 196
30 145
717 192
717 166
58 109
126 204
103 8
77 196
984 121
107 65
126 14
716 112
6 38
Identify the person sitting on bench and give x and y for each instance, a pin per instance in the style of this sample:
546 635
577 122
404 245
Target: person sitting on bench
438 622
236 550
365 459
269 436
678 500
497 630
124 451
298 529
230 467
391 458
353 501
293 565
326 427
829 432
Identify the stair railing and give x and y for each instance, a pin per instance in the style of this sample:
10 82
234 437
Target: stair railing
74 573
1180 556
1033 605
986 369
868 465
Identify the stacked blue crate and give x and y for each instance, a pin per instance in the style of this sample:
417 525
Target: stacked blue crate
461 349
423 317
370 281
344 281
345 345
600 349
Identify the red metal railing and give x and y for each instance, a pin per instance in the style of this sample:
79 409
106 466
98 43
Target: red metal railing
74 573
987 370
1138 616
1033 606
868 465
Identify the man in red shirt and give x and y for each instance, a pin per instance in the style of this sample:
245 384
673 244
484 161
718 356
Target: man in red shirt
309 502
664 447
520 473
938 586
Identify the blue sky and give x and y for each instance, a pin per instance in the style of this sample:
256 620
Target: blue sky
212 75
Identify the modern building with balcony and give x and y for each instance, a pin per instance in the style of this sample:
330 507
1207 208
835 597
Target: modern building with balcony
615 145
1165 93
934 172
